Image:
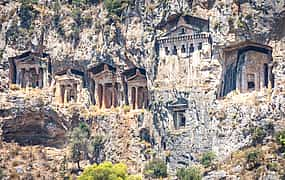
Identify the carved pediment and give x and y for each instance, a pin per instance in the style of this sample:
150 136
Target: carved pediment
137 78
179 104
181 30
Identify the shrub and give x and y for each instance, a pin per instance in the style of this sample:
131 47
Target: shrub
156 169
192 173
280 138
207 158
27 13
258 134
273 166
134 177
106 171
95 148
126 109
115 7
253 159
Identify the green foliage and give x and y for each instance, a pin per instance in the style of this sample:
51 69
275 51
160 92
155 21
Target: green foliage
280 138
78 2
27 14
156 169
208 158
115 7
79 139
192 173
95 147
83 145
273 166
29 1
253 159
134 177
76 14
63 167
106 171
258 134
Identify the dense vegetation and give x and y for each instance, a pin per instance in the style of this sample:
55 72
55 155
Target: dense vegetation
83 146
107 171
192 173
156 169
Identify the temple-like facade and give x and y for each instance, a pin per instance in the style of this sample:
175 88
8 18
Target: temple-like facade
184 43
137 88
68 85
106 86
247 66
30 70
111 86
183 36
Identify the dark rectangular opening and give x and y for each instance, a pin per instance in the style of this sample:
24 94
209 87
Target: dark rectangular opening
265 67
183 50
174 50
200 46
251 85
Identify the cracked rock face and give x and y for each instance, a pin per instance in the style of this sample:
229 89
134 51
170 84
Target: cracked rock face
34 127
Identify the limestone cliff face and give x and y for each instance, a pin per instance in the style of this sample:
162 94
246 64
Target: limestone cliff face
78 36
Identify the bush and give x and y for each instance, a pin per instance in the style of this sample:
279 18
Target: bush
192 173
156 169
207 158
258 134
273 166
27 14
115 7
253 159
106 171
126 109
134 177
280 138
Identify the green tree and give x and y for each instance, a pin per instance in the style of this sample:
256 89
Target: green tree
107 171
79 139
192 173
156 169
95 148
207 158
115 7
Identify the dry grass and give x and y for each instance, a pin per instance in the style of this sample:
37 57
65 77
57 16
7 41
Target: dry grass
14 87
267 158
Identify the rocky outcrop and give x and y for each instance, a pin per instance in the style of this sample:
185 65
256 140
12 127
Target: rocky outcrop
35 126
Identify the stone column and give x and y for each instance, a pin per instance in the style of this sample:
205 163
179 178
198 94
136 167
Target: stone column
113 95
96 93
58 93
18 77
262 80
65 95
28 78
40 75
76 91
44 77
257 84
269 75
137 98
243 80
103 96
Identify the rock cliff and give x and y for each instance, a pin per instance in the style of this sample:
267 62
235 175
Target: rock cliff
82 33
